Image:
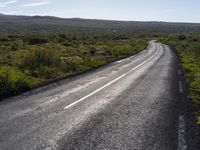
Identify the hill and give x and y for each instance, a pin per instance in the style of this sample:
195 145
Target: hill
10 24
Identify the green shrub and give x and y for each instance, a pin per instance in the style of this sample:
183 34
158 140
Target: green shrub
74 64
63 36
12 81
48 72
129 48
40 61
123 50
96 61
67 44
4 39
182 37
34 40
198 120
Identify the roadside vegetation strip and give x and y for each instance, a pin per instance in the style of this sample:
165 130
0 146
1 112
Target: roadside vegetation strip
43 58
188 49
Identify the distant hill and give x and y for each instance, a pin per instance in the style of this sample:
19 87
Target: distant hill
11 24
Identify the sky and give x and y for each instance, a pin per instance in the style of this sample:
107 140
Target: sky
129 10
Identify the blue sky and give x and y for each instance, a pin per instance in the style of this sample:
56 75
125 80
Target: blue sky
138 10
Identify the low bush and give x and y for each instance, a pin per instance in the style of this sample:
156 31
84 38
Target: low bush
96 61
74 64
34 40
40 62
12 81
124 50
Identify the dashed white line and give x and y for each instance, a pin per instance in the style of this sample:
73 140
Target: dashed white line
181 134
66 93
94 92
113 81
179 72
180 87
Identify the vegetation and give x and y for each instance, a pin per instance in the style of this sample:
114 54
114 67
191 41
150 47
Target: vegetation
188 48
12 81
31 59
37 49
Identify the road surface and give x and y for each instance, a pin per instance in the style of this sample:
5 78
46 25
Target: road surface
129 104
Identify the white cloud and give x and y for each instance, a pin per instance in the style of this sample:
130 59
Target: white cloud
10 2
39 3
12 12
168 10
2 5
5 4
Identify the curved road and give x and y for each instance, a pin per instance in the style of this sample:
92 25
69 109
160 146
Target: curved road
129 104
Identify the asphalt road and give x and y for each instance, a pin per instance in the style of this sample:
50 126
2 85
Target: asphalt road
129 104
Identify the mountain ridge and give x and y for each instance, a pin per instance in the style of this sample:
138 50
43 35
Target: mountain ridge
14 24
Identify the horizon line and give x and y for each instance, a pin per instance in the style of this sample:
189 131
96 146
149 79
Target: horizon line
102 19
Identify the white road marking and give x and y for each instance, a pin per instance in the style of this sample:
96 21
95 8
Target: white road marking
66 93
179 72
95 91
180 87
113 81
181 134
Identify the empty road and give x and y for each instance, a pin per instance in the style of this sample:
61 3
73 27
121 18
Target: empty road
131 104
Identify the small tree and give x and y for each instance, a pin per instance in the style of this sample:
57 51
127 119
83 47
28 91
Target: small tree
182 37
